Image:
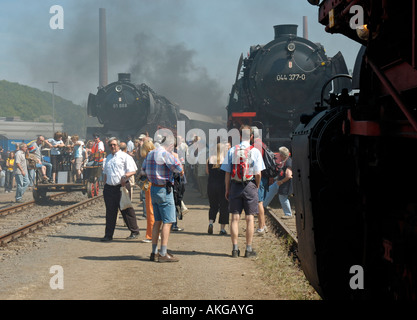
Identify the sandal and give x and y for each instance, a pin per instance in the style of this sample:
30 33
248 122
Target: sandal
45 179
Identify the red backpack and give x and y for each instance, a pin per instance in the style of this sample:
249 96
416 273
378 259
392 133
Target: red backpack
241 162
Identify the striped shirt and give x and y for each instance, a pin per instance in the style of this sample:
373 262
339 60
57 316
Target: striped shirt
160 165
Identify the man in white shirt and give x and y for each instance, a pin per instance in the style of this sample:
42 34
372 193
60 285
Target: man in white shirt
119 167
130 146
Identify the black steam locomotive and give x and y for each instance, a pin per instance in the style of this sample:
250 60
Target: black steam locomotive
280 81
124 108
354 163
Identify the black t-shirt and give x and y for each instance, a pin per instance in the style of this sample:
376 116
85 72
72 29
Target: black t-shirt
286 187
216 175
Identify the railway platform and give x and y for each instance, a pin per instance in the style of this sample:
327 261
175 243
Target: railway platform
72 263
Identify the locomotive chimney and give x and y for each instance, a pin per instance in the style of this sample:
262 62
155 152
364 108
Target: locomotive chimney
103 80
285 30
305 28
124 77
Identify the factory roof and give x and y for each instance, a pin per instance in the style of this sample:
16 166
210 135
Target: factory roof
14 128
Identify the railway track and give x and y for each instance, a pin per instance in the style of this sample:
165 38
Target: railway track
41 222
28 204
284 228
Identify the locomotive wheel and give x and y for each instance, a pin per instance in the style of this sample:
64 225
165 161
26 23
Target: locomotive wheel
91 189
97 188
39 195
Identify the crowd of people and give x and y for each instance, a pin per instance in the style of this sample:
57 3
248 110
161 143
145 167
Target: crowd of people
161 171
163 162
41 159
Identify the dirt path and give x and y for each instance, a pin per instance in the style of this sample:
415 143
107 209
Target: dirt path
121 269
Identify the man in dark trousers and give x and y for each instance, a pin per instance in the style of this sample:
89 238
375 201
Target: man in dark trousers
118 169
242 187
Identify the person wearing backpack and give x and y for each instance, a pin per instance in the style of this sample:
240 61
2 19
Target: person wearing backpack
243 165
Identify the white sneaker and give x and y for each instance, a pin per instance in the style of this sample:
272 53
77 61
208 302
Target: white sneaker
184 209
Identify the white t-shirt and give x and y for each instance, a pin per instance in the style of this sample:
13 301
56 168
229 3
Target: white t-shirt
130 146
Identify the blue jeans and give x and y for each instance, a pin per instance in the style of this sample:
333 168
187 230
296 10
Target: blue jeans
262 189
163 205
48 169
31 176
9 181
283 199
285 204
273 190
22 182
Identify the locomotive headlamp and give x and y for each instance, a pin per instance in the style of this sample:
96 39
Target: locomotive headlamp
363 32
118 88
291 47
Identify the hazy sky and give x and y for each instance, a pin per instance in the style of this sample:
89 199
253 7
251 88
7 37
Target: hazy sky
186 50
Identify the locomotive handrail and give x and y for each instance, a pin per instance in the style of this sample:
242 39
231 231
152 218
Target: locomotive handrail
330 80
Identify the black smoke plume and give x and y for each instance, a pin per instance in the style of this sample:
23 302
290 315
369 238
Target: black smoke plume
171 71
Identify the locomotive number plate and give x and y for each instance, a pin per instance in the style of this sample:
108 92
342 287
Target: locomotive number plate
291 77
119 105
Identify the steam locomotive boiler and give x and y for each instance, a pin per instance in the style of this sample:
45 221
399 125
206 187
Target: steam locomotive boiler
124 108
128 109
280 81
354 162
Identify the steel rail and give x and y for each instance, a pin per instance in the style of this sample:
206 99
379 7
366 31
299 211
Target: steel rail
280 225
19 207
13 235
